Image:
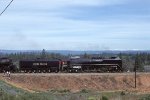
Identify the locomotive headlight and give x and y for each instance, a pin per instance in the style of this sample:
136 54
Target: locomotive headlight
63 63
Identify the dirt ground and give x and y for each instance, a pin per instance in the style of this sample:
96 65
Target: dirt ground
76 82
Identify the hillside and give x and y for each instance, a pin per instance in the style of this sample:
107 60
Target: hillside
77 82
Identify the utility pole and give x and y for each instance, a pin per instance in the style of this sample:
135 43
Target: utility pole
135 74
135 67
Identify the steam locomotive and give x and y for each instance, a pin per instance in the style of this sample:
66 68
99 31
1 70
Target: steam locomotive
6 64
113 64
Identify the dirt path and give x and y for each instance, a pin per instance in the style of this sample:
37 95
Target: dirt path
77 82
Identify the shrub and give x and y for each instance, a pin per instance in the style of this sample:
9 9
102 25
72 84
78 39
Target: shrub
145 98
64 91
104 98
122 93
84 91
60 91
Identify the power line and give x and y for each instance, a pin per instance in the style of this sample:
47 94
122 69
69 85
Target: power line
6 7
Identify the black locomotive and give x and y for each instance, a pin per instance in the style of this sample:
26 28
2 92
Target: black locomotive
95 65
113 64
6 64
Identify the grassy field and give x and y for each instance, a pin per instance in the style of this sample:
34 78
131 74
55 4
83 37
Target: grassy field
8 92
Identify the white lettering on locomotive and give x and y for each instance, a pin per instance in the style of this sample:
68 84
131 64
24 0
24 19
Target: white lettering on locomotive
35 64
39 64
43 64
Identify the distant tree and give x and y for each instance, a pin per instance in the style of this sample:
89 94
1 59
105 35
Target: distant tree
139 62
148 59
43 54
120 55
86 55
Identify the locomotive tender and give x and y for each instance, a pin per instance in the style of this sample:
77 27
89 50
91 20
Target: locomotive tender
113 64
39 65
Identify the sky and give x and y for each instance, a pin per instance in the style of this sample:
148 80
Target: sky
75 25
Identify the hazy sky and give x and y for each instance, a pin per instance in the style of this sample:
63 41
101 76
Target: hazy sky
75 25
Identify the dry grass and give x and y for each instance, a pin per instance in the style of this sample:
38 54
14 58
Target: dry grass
76 83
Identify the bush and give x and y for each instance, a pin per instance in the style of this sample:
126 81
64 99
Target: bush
60 91
64 91
84 91
104 98
122 93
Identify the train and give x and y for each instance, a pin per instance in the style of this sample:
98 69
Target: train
71 65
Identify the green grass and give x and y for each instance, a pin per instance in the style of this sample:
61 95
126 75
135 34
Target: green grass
147 97
91 98
5 87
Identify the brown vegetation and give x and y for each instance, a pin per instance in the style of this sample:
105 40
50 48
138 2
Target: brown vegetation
78 82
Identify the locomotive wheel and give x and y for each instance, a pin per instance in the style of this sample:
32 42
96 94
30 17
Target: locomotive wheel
39 71
49 71
70 71
34 71
56 71
76 71
25 71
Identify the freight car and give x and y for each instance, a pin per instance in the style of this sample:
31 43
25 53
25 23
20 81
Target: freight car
39 66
